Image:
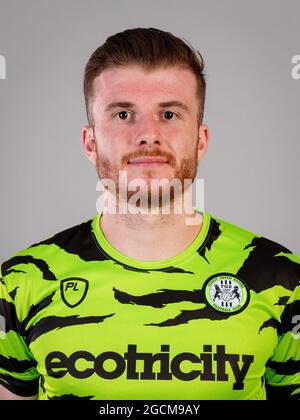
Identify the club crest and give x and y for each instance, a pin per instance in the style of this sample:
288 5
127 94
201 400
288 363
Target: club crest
226 293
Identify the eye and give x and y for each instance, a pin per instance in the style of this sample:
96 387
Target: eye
169 115
123 115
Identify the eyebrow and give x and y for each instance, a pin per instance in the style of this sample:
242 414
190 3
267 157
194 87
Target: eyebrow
126 104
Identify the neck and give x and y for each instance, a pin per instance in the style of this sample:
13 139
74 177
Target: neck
151 237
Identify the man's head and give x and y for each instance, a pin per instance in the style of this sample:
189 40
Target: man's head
145 92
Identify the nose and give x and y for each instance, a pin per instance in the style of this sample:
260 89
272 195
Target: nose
147 131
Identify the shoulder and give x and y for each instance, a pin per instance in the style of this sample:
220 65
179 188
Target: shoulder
263 261
238 233
39 255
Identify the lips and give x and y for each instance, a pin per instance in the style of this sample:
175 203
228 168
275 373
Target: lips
148 160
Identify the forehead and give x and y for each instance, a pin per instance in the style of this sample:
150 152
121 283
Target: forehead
133 82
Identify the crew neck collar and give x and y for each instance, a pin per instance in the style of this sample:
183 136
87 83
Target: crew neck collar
113 253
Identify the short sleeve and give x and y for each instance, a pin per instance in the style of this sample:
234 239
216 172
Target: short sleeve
18 371
283 369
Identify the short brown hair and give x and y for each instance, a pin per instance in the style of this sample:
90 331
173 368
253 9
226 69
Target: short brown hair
149 47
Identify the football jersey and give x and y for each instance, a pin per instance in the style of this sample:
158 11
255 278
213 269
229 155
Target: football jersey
81 320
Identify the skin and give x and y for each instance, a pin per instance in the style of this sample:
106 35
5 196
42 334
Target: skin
146 129
5 394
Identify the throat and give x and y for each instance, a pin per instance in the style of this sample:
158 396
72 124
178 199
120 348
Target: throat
150 238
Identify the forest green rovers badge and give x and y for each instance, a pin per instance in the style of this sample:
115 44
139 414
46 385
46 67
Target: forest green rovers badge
226 293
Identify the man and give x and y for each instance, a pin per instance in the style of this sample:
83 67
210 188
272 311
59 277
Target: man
149 304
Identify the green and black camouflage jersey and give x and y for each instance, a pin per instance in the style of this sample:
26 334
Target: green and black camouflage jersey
220 320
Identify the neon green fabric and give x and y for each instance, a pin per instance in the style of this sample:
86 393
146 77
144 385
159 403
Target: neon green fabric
217 321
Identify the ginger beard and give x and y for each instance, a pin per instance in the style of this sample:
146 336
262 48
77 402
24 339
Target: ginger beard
184 168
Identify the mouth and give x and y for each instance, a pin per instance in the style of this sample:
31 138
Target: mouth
148 161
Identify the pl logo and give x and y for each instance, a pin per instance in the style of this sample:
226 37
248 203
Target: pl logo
2 67
73 291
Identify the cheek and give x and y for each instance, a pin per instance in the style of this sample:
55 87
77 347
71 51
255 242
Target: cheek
112 142
182 143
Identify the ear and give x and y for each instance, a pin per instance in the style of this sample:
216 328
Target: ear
88 143
203 141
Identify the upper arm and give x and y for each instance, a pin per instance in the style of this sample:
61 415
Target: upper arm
283 369
18 374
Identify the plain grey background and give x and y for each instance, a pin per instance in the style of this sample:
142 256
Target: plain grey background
252 108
